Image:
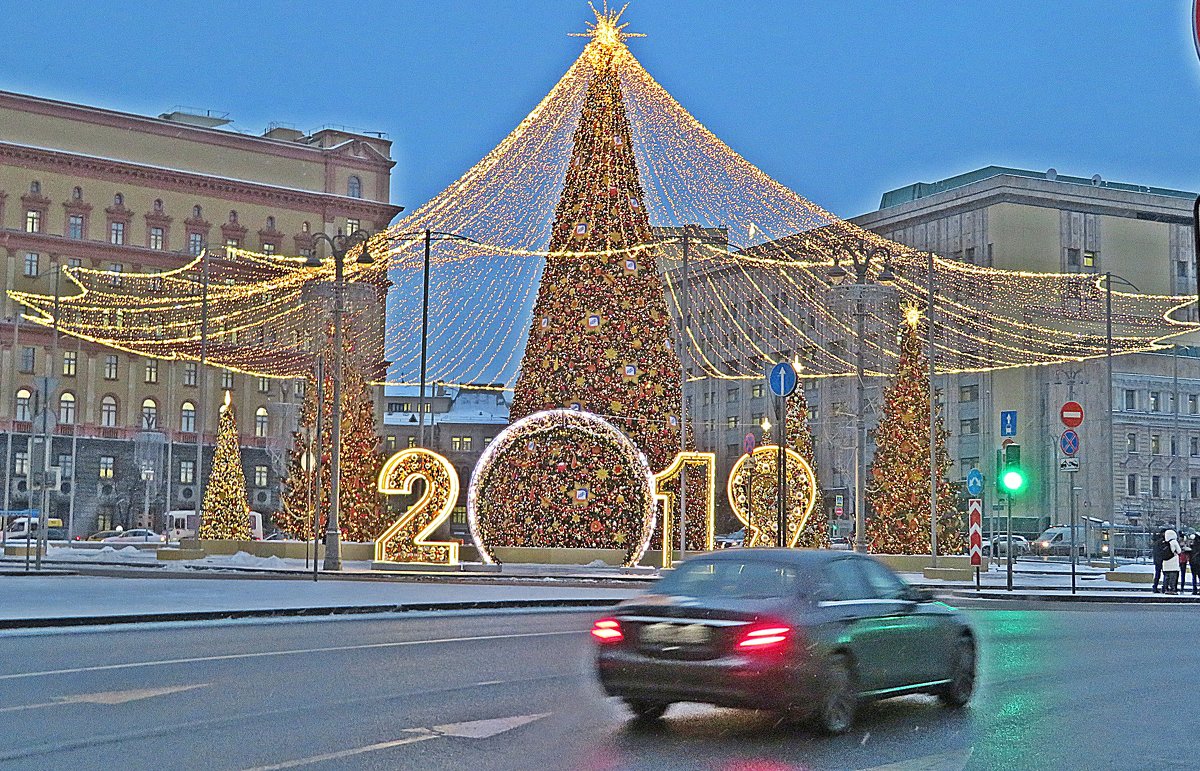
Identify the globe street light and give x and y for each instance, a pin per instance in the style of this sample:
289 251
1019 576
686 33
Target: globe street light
338 246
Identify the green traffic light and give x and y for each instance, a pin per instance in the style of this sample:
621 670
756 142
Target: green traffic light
1013 480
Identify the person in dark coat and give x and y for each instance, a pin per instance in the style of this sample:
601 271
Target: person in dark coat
1195 561
1156 552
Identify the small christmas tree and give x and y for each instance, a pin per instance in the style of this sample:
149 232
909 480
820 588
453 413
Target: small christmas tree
899 486
226 512
799 438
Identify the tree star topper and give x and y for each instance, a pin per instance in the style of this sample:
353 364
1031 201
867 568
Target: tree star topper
606 28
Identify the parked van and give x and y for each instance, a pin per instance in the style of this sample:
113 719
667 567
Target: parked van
27 527
182 523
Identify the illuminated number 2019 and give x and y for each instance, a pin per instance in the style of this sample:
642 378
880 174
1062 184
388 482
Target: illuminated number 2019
700 470
407 538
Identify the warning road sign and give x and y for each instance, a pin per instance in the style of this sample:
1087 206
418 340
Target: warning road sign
975 511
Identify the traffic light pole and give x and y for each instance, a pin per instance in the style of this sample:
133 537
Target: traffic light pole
1008 556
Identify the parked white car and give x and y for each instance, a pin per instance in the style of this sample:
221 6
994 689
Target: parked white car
137 535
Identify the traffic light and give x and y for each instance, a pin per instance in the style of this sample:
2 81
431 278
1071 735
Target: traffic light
1012 476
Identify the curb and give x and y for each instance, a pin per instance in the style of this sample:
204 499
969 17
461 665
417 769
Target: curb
1026 596
334 610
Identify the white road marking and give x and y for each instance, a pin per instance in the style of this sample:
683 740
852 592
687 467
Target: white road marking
269 654
474 729
107 697
955 760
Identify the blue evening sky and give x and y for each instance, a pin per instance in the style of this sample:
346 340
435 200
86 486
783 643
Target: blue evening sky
839 100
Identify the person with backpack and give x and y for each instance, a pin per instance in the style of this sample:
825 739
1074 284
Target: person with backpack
1156 551
1170 563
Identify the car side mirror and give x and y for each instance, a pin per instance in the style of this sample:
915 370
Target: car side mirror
919 594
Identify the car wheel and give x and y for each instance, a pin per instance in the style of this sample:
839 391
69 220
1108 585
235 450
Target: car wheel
646 711
958 691
835 713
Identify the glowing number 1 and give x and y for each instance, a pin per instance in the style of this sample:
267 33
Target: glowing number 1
407 538
700 513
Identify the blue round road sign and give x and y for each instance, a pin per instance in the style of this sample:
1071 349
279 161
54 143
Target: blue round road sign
1069 442
782 379
974 481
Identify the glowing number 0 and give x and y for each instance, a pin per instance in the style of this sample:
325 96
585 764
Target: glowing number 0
668 495
406 539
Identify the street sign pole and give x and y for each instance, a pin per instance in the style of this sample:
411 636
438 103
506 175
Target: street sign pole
1008 556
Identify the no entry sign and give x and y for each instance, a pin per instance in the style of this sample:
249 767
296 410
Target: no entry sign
1071 414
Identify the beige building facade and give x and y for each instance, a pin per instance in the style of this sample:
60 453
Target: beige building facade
87 187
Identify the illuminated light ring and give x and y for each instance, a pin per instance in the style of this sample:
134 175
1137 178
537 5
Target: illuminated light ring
410 531
760 530
588 427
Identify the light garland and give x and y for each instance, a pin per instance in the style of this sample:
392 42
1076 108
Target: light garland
589 486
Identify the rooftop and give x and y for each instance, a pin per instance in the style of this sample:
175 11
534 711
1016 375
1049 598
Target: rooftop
918 190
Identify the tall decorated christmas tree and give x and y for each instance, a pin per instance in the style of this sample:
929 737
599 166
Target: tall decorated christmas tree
361 516
898 488
226 512
799 438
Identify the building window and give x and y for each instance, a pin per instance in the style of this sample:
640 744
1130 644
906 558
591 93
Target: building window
21 463
111 367
28 357
756 418
1155 401
412 442
32 264
354 188
233 217
969 463
268 248
1131 443
1193 404
260 476
260 421
1130 399
233 242
77 194
33 221
195 243
156 237
1155 444
24 410
74 262
107 462
466 443
187 417
389 442
66 408
187 472
351 226
1194 447
757 390
1072 258
456 443
731 395
968 426
969 255
1089 259
189 373
158 206
116 233
70 363
1131 484
149 415
197 212
75 226
66 462
151 371
968 393
1194 488
731 421
264 385
1174 446
1156 486
226 381
108 412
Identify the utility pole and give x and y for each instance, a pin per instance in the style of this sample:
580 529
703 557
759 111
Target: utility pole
683 347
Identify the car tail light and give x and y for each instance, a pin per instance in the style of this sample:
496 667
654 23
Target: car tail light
607 630
768 636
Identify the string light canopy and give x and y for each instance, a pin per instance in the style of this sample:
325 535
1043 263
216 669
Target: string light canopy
762 287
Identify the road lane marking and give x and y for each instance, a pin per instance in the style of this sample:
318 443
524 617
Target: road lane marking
472 729
955 760
269 654
109 698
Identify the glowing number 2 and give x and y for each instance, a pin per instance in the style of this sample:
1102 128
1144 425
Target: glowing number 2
752 490
407 538
666 491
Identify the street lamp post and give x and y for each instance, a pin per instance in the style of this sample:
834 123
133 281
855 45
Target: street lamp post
861 263
339 245
1109 276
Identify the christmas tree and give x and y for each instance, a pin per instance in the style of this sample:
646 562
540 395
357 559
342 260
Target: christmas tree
898 489
361 516
226 512
601 335
799 438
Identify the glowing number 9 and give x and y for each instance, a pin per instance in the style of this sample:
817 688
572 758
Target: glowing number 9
406 539
700 512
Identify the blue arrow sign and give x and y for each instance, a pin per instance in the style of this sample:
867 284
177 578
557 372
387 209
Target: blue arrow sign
782 379
1069 442
1008 423
974 481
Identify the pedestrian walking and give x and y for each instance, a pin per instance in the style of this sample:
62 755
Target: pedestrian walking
1156 552
1196 564
1185 555
1170 563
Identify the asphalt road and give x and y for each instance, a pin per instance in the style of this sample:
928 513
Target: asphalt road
1062 686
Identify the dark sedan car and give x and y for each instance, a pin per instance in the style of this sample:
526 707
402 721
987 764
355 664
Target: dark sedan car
808 633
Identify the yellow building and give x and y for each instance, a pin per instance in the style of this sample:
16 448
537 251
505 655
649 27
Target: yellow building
84 186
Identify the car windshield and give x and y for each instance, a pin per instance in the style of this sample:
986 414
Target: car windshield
730 578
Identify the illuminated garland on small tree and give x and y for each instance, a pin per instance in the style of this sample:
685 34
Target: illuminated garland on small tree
899 485
226 512
800 439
